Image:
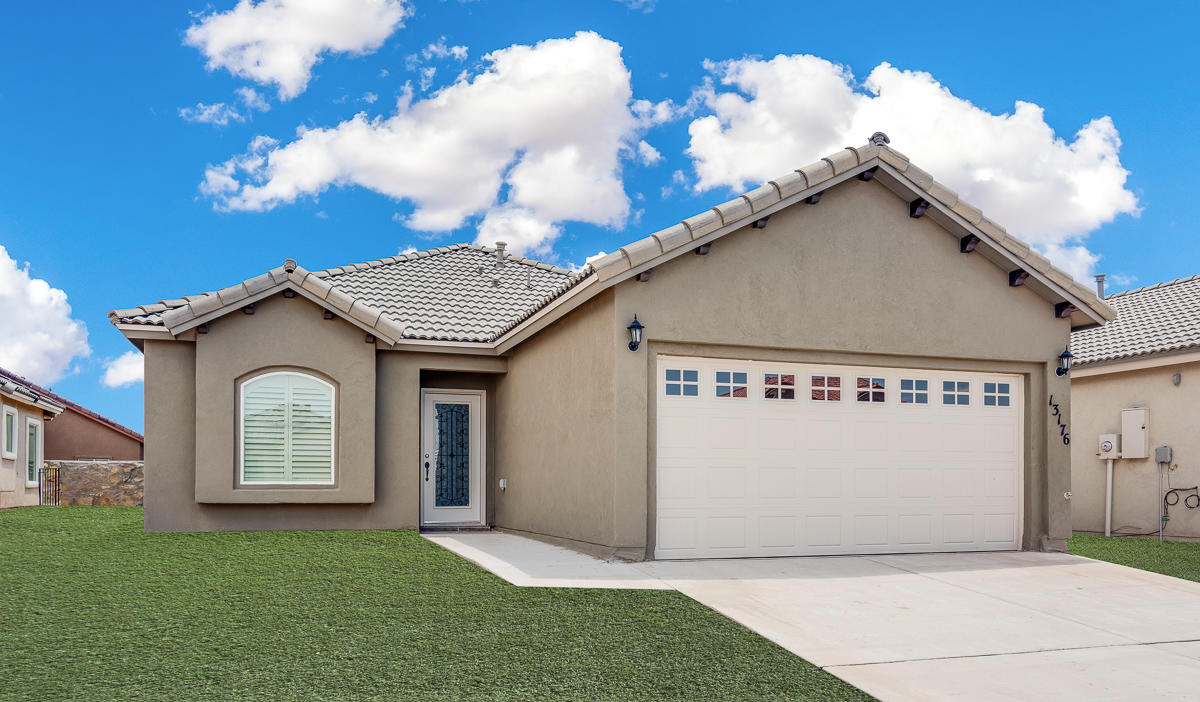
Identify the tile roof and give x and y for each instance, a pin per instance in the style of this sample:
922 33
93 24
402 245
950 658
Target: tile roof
457 293
64 403
451 293
15 385
1155 319
454 293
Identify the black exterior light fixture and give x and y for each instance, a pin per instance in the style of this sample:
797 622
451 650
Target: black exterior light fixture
1064 362
635 334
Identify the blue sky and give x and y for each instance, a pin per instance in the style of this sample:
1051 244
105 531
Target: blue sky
104 193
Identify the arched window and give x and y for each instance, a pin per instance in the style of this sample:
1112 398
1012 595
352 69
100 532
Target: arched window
286 429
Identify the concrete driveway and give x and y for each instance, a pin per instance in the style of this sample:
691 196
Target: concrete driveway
988 626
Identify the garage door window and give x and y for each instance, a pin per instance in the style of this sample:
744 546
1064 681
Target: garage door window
996 395
779 386
682 383
731 384
827 388
914 391
871 390
956 392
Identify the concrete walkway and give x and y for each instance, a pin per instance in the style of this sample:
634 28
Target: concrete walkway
989 626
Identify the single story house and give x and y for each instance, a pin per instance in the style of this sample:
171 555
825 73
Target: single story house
81 434
847 359
1138 379
25 410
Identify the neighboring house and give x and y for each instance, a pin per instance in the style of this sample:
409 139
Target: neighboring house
848 359
79 434
1148 359
25 411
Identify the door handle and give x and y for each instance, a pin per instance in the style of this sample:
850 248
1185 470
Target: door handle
426 471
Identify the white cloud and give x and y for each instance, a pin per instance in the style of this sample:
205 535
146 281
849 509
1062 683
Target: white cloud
221 114
218 113
427 74
406 250
439 50
369 98
547 125
40 337
123 370
252 99
586 261
647 154
279 41
1072 258
1122 281
520 228
642 5
767 117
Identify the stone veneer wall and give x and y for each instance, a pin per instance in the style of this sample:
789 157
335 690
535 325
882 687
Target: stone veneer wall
100 482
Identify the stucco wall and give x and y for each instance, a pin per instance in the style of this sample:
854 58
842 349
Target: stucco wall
393 437
13 490
72 437
854 280
284 334
1174 415
554 430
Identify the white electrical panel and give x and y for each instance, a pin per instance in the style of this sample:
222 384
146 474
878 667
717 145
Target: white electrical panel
1107 447
1135 430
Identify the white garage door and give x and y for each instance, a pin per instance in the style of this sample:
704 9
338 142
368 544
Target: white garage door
778 459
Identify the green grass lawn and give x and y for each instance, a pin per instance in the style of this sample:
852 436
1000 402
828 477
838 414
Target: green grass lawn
1177 558
92 608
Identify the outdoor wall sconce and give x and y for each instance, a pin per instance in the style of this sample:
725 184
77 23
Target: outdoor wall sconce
635 334
1064 362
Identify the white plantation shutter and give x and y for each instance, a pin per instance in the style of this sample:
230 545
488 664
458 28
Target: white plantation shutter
287 429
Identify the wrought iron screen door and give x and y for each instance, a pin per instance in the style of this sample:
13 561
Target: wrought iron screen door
451 463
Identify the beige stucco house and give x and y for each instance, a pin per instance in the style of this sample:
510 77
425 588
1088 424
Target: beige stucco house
1138 378
848 359
25 410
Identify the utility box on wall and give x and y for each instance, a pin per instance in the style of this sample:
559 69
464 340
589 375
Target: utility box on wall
1107 447
1135 430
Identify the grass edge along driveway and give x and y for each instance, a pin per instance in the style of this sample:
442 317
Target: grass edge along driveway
93 608
1179 559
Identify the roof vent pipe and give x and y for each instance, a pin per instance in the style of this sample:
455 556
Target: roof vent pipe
500 246
1100 285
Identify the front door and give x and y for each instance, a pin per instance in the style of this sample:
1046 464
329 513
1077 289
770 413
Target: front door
452 457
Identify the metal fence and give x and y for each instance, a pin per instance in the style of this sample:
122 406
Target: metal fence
49 487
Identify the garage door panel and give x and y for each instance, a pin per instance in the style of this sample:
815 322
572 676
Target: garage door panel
999 528
763 476
778 482
871 483
777 531
823 530
871 530
820 434
726 482
914 529
824 483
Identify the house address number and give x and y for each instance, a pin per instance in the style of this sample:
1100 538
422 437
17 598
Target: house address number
1062 426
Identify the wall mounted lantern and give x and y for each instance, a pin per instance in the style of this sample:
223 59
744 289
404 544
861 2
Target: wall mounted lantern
635 333
1064 362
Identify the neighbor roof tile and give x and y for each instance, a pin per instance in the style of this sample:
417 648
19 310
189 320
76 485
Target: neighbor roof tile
1156 319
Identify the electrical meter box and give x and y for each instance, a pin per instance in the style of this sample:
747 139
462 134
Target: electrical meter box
1135 430
1107 446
